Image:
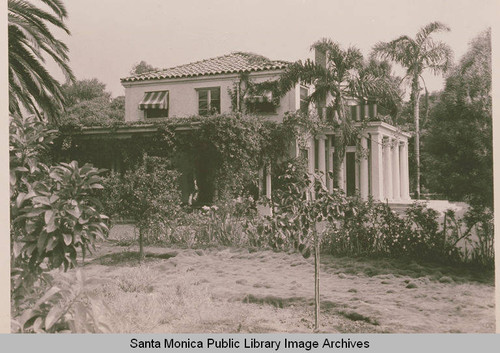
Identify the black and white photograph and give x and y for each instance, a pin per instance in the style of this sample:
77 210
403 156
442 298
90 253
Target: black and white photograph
248 167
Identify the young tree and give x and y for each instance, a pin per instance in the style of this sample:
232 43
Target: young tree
30 40
304 207
416 56
458 147
149 194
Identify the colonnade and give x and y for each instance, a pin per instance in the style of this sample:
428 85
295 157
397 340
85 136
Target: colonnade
381 170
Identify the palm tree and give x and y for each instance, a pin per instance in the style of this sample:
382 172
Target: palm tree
416 56
30 41
345 75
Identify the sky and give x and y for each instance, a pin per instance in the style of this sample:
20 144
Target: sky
109 36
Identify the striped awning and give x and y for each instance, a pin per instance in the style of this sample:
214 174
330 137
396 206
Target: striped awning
154 100
265 97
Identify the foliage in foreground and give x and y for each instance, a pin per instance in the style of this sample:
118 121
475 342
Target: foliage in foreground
54 213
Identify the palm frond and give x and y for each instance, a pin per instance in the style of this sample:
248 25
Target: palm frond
58 7
30 41
425 32
438 58
401 50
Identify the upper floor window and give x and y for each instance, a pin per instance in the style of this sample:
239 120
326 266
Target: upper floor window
155 104
262 103
208 100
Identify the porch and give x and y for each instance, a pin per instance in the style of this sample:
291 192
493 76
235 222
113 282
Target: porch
377 168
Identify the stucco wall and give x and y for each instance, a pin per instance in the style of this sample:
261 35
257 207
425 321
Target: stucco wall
183 97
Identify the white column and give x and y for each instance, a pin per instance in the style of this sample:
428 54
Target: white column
322 158
341 174
311 163
396 179
387 169
268 182
376 167
310 167
363 170
261 181
356 172
405 178
331 151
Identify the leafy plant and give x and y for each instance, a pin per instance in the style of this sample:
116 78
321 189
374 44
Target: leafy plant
54 211
61 305
149 195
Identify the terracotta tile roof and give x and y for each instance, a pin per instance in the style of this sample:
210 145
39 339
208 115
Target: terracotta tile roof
232 63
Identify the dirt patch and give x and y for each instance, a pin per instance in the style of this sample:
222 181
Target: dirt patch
235 290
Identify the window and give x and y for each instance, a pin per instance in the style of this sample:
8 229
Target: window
155 104
209 101
261 103
155 113
304 104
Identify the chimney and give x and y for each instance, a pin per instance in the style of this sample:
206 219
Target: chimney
320 57
373 108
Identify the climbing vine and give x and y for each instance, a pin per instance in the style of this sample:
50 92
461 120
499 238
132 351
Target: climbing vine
246 88
219 156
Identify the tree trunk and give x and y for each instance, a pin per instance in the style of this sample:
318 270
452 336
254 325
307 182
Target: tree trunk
416 116
316 280
141 246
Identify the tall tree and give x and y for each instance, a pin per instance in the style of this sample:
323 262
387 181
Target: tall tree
30 40
417 55
457 151
142 67
84 90
88 103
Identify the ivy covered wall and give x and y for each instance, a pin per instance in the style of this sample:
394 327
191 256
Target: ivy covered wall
219 156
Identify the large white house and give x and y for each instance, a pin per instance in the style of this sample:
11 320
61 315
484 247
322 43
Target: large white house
205 87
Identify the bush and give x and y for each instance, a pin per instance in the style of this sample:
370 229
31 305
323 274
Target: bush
471 238
53 212
149 195
60 306
369 229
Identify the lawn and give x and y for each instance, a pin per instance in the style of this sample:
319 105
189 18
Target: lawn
240 290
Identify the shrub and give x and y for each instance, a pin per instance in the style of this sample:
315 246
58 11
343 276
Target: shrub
53 212
149 195
60 306
369 228
471 238
219 224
